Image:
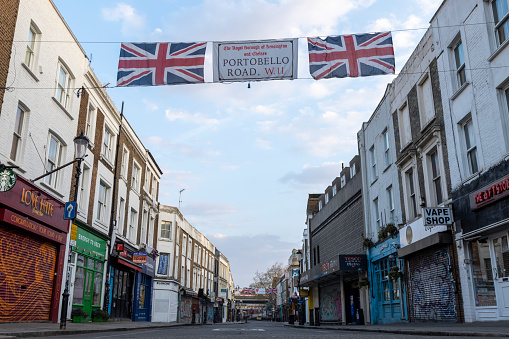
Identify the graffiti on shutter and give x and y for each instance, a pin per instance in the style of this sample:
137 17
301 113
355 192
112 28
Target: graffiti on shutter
330 303
432 286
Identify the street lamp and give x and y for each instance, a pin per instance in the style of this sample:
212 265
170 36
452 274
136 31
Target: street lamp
80 149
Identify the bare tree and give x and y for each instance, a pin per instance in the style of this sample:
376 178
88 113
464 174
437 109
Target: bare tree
266 280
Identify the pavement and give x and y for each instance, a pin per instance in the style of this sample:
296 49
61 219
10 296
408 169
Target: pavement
47 329
476 329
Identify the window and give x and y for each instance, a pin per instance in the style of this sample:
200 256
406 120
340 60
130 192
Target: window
154 186
377 213
84 189
436 178
150 240
343 181
411 195
163 264
63 86
143 231
90 123
125 161
320 205
373 163
404 126
500 14
318 254
426 101
17 135
132 225
55 151
101 202
121 216
468 131
460 64
391 205
30 52
387 158
147 180
166 229
352 170
326 198
107 149
334 190
135 180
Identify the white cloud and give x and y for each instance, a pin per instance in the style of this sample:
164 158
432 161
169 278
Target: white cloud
150 105
207 209
196 118
322 175
131 20
263 144
429 6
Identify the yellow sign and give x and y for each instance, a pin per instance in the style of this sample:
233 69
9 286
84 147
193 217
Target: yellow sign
74 232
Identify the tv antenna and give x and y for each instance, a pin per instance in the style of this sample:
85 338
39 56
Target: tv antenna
180 196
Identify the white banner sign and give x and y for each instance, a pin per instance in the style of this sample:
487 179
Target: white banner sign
255 60
417 231
260 290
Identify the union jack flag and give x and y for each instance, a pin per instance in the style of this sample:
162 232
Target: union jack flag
149 64
351 55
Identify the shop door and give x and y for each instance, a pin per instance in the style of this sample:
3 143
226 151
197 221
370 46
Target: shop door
501 273
122 294
27 269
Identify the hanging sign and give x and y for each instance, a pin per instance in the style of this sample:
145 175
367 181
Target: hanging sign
7 179
255 60
140 258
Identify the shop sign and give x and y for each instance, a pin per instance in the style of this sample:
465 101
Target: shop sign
74 235
353 262
490 193
437 216
139 258
417 231
7 179
29 199
90 243
148 268
32 226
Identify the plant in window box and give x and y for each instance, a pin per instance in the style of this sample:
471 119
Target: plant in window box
395 273
100 315
382 234
367 243
391 229
363 283
79 316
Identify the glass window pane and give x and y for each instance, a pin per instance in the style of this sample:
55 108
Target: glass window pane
96 298
501 256
90 263
99 266
483 275
81 260
79 285
142 296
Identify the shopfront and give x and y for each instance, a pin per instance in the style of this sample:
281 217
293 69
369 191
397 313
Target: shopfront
143 290
386 292
430 273
33 235
481 211
89 254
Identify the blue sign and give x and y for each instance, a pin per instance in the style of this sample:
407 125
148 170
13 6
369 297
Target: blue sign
70 210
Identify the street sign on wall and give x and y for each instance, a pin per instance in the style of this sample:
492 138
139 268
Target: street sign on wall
437 216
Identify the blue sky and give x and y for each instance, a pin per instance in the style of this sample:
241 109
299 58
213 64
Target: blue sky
246 157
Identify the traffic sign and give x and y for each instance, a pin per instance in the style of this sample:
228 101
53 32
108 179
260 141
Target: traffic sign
70 210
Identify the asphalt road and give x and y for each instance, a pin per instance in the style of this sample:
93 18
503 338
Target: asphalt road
253 329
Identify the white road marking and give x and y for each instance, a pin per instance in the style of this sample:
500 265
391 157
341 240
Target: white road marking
238 329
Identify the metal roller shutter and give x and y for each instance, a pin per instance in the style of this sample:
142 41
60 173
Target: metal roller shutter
27 267
431 286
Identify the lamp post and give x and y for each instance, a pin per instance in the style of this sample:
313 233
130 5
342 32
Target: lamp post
299 258
80 149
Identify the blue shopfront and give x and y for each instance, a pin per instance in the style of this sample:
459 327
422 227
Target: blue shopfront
387 290
142 310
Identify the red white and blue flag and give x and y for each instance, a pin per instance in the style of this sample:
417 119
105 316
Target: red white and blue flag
164 63
351 55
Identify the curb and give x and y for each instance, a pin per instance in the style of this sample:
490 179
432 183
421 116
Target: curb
408 332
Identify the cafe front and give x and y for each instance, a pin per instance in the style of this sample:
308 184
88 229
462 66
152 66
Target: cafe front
33 235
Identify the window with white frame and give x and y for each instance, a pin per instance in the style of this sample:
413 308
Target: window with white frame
377 213
150 240
53 160
184 244
143 230
426 105
189 247
125 161
459 60
195 258
148 175
405 131
135 179
133 220
107 147
166 229
470 146
121 216
343 181
33 37
352 170
411 195
154 186
373 163
17 138
63 85
387 157
90 123
320 205
334 190
390 199
501 16
326 198
102 196
84 188
164 262
435 177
